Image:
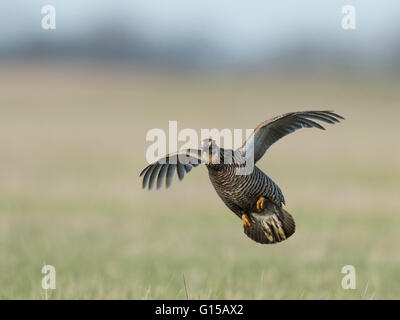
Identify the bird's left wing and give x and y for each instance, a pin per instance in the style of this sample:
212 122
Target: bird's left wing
181 161
270 131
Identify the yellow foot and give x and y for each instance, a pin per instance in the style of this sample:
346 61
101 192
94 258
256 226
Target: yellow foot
246 221
260 203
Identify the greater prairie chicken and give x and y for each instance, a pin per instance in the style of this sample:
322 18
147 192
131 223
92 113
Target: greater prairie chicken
252 195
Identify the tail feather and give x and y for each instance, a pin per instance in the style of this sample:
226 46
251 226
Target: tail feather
274 224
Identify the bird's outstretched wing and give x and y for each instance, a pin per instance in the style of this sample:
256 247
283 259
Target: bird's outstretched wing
270 131
182 161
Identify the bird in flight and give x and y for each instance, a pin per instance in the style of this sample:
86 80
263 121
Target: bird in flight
251 194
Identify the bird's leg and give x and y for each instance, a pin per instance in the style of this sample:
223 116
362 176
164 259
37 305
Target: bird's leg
260 203
246 220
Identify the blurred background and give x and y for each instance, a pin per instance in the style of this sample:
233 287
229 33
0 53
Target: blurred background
76 103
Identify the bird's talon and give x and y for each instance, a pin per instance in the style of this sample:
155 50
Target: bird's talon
246 221
260 204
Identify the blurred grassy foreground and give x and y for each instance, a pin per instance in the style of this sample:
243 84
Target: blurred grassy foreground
73 143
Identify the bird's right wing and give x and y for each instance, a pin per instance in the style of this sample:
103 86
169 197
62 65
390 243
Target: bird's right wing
182 161
268 132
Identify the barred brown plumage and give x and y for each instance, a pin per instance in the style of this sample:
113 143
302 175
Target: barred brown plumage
244 194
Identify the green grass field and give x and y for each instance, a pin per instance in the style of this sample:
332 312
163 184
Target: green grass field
73 143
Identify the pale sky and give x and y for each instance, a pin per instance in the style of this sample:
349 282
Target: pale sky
241 27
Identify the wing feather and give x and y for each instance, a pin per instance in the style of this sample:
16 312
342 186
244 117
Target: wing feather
181 170
147 176
170 175
270 131
161 175
164 168
154 174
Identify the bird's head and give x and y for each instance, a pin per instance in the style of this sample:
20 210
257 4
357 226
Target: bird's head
210 152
